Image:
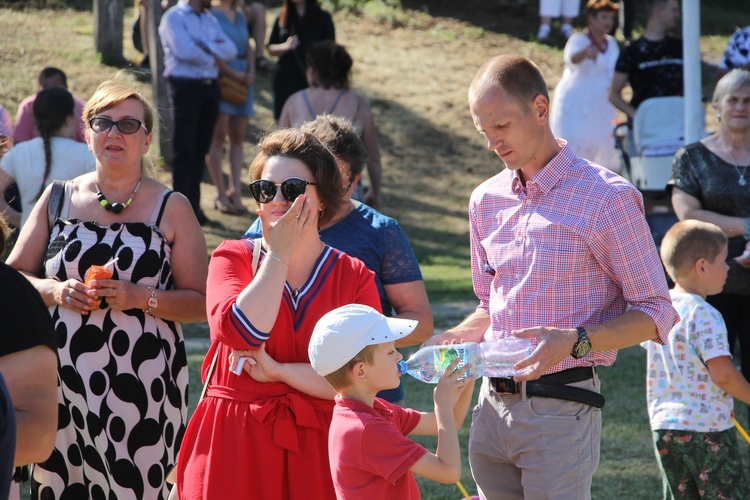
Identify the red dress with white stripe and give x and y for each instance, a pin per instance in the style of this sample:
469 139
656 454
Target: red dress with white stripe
248 439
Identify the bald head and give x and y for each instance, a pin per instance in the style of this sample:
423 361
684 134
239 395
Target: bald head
517 76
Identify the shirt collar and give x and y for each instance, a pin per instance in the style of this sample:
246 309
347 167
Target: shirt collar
185 7
378 409
550 174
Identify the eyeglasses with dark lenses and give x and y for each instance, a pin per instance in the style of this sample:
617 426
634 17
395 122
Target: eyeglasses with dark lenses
265 191
126 125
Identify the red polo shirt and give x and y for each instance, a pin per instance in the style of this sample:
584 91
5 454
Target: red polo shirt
369 452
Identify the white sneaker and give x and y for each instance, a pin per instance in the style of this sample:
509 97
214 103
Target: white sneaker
543 34
566 30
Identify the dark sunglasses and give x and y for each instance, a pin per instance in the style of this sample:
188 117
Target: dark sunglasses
126 125
265 191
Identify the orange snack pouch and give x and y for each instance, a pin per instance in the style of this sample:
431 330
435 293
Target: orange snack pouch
97 273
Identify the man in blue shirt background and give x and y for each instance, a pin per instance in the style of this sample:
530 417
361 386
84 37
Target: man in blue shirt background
193 41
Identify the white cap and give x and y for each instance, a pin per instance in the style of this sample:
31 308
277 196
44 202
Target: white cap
342 333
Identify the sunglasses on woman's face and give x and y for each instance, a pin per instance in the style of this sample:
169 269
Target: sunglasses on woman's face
265 191
126 125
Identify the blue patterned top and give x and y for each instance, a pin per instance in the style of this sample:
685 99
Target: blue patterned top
375 239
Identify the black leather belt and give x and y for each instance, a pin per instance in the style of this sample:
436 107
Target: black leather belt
200 81
554 386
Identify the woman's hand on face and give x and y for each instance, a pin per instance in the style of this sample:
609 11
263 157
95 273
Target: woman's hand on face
74 295
283 236
260 366
120 295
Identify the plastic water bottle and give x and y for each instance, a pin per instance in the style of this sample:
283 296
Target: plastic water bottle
429 363
496 357
500 355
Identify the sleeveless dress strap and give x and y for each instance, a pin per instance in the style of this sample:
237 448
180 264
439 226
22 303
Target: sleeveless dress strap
336 102
159 208
65 210
308 104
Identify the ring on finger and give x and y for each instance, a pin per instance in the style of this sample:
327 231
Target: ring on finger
67 299
296 216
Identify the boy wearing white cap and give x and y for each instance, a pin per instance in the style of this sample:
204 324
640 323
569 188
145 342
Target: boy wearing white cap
353 347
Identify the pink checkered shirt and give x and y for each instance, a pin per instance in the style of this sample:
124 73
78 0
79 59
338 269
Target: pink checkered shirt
571 248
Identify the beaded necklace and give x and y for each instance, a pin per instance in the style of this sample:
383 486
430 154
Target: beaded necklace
116 207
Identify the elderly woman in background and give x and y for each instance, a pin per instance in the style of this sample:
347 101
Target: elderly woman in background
263 433
375 239
711 183
300 23
123 372
581 112
329 68
232 121
54 155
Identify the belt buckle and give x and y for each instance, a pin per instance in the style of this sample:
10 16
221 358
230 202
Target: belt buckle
506 386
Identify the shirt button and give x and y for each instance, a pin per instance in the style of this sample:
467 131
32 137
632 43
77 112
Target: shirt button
510 312
519 239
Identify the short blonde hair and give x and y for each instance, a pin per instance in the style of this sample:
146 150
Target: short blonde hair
342 378
111 93
688 241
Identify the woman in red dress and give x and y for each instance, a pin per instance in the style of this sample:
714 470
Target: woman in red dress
263 433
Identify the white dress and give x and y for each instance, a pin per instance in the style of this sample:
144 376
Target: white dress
581 112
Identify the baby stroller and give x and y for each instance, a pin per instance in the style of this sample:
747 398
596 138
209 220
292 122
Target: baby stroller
647 152
648 148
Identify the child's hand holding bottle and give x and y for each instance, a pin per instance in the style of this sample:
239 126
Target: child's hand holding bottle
452 384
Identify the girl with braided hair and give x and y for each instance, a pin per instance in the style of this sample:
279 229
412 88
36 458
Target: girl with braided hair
53 156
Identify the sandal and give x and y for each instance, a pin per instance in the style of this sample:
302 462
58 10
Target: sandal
263 64
239 208
224 208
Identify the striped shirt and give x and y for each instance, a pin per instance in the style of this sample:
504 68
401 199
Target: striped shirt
571 248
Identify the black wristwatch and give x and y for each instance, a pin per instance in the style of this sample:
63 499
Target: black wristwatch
583 346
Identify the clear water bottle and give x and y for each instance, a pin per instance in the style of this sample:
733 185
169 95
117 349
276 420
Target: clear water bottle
496 357
429 363
500 355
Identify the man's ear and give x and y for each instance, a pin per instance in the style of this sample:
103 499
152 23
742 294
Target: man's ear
540 108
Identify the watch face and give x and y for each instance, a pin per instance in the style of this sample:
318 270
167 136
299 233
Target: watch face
152 303
581 348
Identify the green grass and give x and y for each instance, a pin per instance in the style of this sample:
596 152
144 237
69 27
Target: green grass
627 469
428 198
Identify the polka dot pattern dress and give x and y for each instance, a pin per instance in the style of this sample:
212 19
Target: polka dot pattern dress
122 375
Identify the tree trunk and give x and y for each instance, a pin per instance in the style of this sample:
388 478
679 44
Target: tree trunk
159 85
108 18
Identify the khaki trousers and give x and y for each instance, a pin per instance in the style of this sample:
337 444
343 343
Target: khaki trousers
534 448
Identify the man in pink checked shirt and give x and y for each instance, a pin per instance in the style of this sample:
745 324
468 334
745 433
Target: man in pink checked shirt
561 254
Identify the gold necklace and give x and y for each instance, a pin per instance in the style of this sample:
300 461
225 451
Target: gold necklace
295 291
